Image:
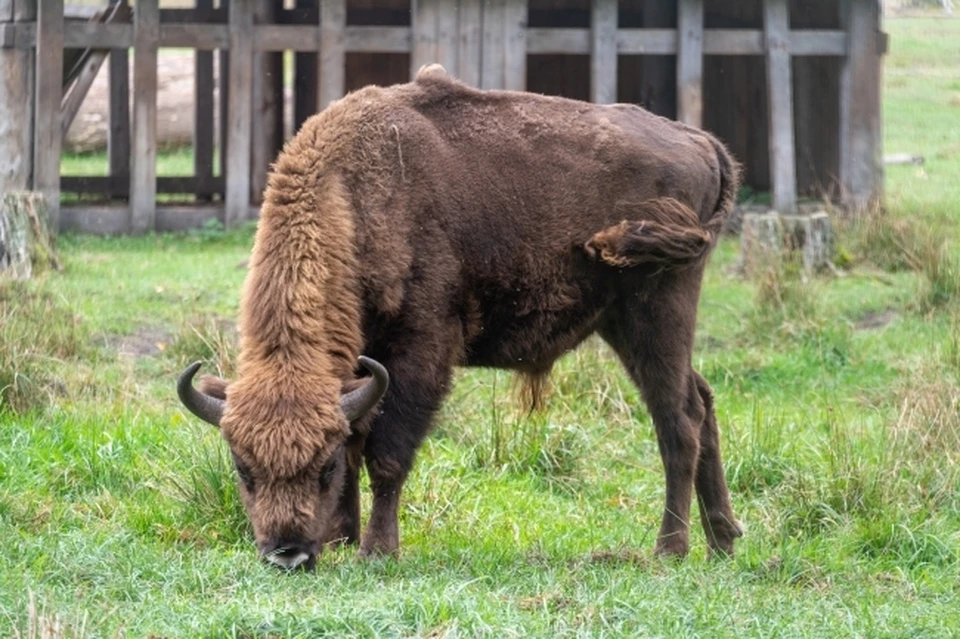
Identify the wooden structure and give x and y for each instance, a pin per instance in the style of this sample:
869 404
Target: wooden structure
793 86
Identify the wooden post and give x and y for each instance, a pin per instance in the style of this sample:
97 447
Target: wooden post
267 106
492 49
16 98
690 62
603 50
515 45
471 32
48 138
203 122
861 154
448 36
143 174
118 136
239 112
425 20
780 105
306 74
333 52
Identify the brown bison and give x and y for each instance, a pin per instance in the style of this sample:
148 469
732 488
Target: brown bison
430 225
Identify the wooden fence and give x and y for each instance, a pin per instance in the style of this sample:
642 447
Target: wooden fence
486 43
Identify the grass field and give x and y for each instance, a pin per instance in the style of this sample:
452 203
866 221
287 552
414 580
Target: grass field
839 401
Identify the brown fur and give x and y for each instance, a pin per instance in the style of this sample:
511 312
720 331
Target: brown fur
429 225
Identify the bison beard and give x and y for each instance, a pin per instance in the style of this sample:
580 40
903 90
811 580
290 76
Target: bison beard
430 225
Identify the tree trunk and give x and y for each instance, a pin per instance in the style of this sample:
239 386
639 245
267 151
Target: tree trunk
26 245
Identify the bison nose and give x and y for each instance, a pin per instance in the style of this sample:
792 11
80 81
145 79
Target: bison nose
290 556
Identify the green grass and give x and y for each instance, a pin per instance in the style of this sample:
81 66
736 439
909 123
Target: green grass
839 402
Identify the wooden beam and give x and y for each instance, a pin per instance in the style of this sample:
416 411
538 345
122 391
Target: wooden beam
690 62
780 106
515 45
17 67
861 148
333 52
448 36
239 113
70 105
143 174
118 135
203 107
603 58
425 19
111 219
471 36
492 69
47 137
267 106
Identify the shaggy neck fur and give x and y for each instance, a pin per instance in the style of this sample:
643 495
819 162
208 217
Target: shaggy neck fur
300 333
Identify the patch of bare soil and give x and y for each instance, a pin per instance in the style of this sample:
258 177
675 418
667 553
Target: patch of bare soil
875 319
147 341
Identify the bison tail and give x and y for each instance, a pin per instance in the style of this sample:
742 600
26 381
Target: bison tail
668 233
729 187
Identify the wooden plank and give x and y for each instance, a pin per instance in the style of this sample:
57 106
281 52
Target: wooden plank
559 41
195 36
143 175
239 113
47 138
112 219
118 135
861 148
17 67
471 34
448 35
690 62
332 82
515 44
305 71
425 19
267 106
360 39
603 52
647 42
107 185
203 108
491 67
6 10
780 106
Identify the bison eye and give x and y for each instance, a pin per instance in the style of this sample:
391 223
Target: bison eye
244 473
326 474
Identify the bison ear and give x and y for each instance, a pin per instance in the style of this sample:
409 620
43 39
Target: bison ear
213 386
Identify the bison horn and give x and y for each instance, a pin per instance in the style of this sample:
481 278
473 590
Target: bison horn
207 408
355 404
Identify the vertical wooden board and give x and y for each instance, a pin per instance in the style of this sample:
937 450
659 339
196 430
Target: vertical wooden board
118 135
861 163
491 65
690 62
780 101
48 138
603 50
448 35
17 67
471 32
143 158
332 68
515 44
267 108
203 107
306 74
223 74
425 18
239 112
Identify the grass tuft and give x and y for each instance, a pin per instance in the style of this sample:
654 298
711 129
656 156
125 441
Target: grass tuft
209 339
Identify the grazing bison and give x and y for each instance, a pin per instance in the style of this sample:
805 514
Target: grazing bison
429 225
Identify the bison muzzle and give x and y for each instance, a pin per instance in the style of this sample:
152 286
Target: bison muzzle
430 225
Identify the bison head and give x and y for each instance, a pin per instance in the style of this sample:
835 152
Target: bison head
292 512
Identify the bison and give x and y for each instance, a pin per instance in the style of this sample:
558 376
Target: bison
427 225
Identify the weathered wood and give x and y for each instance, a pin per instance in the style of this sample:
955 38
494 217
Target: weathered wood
239 113
780 106
448 35
425 17
305 74
26 236
71 103
515 45
47 139
203 108
471 36
603 55
118 134
333 52
116 186
17 69
690 62
492 69
111 219
143 178
267 107
861 165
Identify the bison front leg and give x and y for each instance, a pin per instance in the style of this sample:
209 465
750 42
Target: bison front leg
405 418
346 528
